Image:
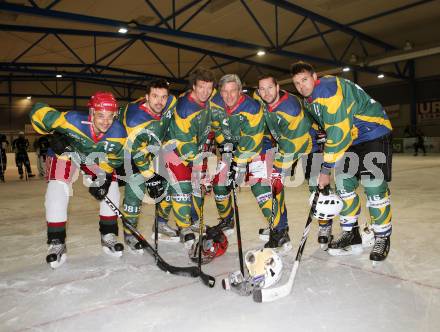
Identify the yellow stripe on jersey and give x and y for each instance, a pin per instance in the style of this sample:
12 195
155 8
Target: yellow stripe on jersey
376 119
332 103
184 124
253 119
38 118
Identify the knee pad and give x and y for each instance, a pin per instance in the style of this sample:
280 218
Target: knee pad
57 200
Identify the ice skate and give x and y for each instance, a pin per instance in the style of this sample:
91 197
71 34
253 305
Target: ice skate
134 246
227 226
165 233
380 250
187 237
56 253
111 246
347 243
279 240
263 233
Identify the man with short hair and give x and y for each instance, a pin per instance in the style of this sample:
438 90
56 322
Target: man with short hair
356 126
146 121
93 141
294 135
239 124
189 130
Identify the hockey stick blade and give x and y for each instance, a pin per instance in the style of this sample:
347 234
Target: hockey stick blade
275 293
189 271
272 294
207 279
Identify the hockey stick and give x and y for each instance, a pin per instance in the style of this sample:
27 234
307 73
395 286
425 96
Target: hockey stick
156 229
190 271
275 293
201 226
237 225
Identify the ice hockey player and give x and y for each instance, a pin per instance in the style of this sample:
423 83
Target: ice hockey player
356 126
292 130
94 137
240 121
3 158
146 121
21 146
41 146
189 130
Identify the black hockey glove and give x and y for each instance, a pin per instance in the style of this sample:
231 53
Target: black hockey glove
156 186
59 143
99 192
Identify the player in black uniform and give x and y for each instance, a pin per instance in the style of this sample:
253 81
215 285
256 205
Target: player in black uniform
20 146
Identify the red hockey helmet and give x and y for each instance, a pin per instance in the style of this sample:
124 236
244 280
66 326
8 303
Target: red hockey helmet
211 247
103 101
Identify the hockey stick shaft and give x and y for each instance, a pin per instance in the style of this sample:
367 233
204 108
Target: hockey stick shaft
272 294
191 271
201 225
206 279
156 228
237 225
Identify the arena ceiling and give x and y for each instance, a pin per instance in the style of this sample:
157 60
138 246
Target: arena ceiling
79 40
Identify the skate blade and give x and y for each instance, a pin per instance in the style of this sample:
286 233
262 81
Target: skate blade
165 238
56 264
376 264
112 253
350 250
324 246
263 237
229 232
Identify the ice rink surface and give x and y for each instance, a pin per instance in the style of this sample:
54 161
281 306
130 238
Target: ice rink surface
94 292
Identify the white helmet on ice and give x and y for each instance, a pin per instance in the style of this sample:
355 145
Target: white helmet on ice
264 266
327 206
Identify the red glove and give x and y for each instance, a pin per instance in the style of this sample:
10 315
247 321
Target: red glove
277 183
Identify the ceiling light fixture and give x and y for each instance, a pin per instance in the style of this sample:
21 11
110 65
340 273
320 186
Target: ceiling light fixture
346 69
261 53
59 75
123 30
380 76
